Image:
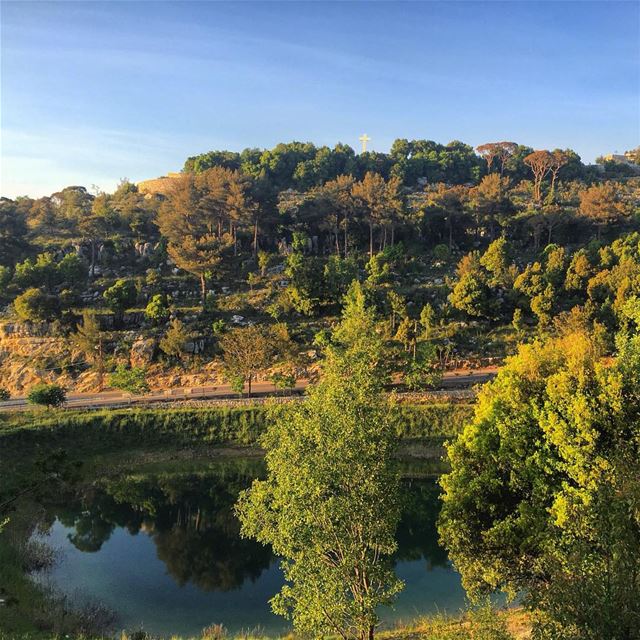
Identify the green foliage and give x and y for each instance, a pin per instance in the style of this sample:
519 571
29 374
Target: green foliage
73 271
542 498
483 623
497 260
542 305
339 273
517 321
174 340
125 428
4 395
121 295
157 310
248 350
5 277
304 290
88 339
266 260
36 306
423 370
441 253
129 379
41 272
48 395
472 295
283 380
329 505
218 327
427 319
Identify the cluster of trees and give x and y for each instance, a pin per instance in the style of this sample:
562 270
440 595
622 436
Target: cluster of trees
542 500
421 192
598 285
302 166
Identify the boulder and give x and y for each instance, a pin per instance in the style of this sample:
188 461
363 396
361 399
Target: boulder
142 352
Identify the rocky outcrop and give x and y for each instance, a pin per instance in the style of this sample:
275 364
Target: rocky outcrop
142 352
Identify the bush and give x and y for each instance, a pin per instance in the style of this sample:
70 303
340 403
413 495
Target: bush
4 395
35 306
157 311
133 380
49 395
441 253
121 295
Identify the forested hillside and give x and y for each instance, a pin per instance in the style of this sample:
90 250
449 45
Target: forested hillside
464 252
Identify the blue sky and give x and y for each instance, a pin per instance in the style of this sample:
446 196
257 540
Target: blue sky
93 92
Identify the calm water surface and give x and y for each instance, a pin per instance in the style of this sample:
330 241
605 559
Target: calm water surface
162 550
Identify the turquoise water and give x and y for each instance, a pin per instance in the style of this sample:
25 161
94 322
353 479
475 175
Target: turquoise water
162 550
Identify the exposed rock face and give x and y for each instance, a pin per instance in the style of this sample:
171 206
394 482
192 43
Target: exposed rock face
195 346
26 358
142 352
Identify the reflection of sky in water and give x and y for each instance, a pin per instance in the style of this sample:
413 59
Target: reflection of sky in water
127 576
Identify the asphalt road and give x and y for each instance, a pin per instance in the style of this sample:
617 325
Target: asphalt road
451 380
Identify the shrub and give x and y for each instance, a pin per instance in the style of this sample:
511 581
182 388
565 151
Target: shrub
121 295
157 311
441 252
4 395
133 380
35 306
49 395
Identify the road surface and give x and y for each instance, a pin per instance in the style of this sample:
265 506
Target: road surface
463 379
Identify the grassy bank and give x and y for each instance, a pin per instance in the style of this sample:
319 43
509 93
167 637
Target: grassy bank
508 624
112 429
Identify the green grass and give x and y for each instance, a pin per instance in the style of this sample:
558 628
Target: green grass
106 429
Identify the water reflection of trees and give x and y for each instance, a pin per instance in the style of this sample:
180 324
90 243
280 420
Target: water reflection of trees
190 518
417 535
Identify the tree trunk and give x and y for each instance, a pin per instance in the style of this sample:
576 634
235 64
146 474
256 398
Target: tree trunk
345 236
255 238
371 238
249 381
203 288
450 233
100 366
92 268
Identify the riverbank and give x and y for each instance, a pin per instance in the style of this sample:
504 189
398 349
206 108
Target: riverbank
507 624
241 426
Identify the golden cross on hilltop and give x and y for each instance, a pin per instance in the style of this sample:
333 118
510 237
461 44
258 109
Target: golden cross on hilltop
364 138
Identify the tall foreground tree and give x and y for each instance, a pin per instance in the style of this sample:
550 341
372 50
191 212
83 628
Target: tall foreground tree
543 497
329 505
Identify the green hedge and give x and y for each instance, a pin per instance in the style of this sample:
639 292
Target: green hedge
189 426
